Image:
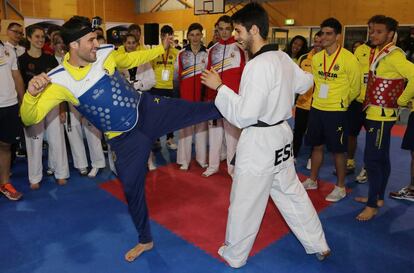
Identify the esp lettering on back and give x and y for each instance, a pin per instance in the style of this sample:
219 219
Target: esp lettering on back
283 154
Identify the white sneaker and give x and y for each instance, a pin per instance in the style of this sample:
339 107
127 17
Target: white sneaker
362 177
83 171
309 164
209 172
50 171
203 165
309 184
171 145
184 167
337 194
151 166
94 171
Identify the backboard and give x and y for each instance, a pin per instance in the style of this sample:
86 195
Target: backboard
202 7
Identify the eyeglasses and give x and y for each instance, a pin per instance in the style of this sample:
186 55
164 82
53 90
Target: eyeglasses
16 31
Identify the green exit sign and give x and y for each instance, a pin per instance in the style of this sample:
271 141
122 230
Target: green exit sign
289 22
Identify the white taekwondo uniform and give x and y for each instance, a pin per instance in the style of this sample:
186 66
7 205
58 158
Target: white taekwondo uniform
264 157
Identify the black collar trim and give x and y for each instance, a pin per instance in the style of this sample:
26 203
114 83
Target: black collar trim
266 48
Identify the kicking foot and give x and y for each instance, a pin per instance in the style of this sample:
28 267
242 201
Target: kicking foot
134 253
367 214
360 199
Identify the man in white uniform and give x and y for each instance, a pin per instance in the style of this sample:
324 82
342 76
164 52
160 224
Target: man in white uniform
264 155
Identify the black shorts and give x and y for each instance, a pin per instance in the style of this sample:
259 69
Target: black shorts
10 124
408 140
329 128
355 117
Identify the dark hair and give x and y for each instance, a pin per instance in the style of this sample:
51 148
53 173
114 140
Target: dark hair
319 33
31 29
125 37
253 14
390 23
52 28
225 19
74 25
167 30
332 23
13 24
134 27
303 49
195 26
375 18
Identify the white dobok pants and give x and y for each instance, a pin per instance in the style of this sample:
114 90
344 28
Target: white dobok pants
265 167
57 155
93 138
185 140
215 135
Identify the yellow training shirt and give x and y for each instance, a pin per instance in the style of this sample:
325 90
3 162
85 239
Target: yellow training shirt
393 66
342 82
362 53
165 61
34 109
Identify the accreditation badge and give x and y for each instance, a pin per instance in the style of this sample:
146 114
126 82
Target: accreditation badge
165 75
323 91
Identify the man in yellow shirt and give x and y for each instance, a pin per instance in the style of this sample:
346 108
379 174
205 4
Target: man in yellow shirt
89 79
303 102
163 67
355 113
388 71
337 82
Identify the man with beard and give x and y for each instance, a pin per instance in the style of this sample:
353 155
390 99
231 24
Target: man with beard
264 163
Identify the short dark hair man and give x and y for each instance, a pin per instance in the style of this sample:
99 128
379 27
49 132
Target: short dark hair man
264 161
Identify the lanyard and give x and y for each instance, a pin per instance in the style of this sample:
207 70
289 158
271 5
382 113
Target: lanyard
373 58
333 62
164 61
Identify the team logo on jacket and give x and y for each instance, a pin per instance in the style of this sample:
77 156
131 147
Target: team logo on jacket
232 55
336 67
170 57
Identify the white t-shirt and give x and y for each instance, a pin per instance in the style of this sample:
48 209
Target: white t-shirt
8 62
18 49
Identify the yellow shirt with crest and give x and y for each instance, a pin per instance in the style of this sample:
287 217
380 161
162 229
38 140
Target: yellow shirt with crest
393 66
343 80
304 101
35 108
163 62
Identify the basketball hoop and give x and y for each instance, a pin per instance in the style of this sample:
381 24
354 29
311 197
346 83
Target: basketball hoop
203 7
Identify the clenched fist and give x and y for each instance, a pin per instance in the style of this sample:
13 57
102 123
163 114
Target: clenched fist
37 84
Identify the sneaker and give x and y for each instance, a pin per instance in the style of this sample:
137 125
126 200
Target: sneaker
209 172
50 171
184 167
309 184
203 165
362 177
83 171
10 192
403 194
94 171
309 164
171 145
151 166
337 194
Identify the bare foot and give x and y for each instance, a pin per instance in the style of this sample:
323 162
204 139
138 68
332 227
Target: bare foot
367 214
61 181
35 186
323 255
132 254
360 199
